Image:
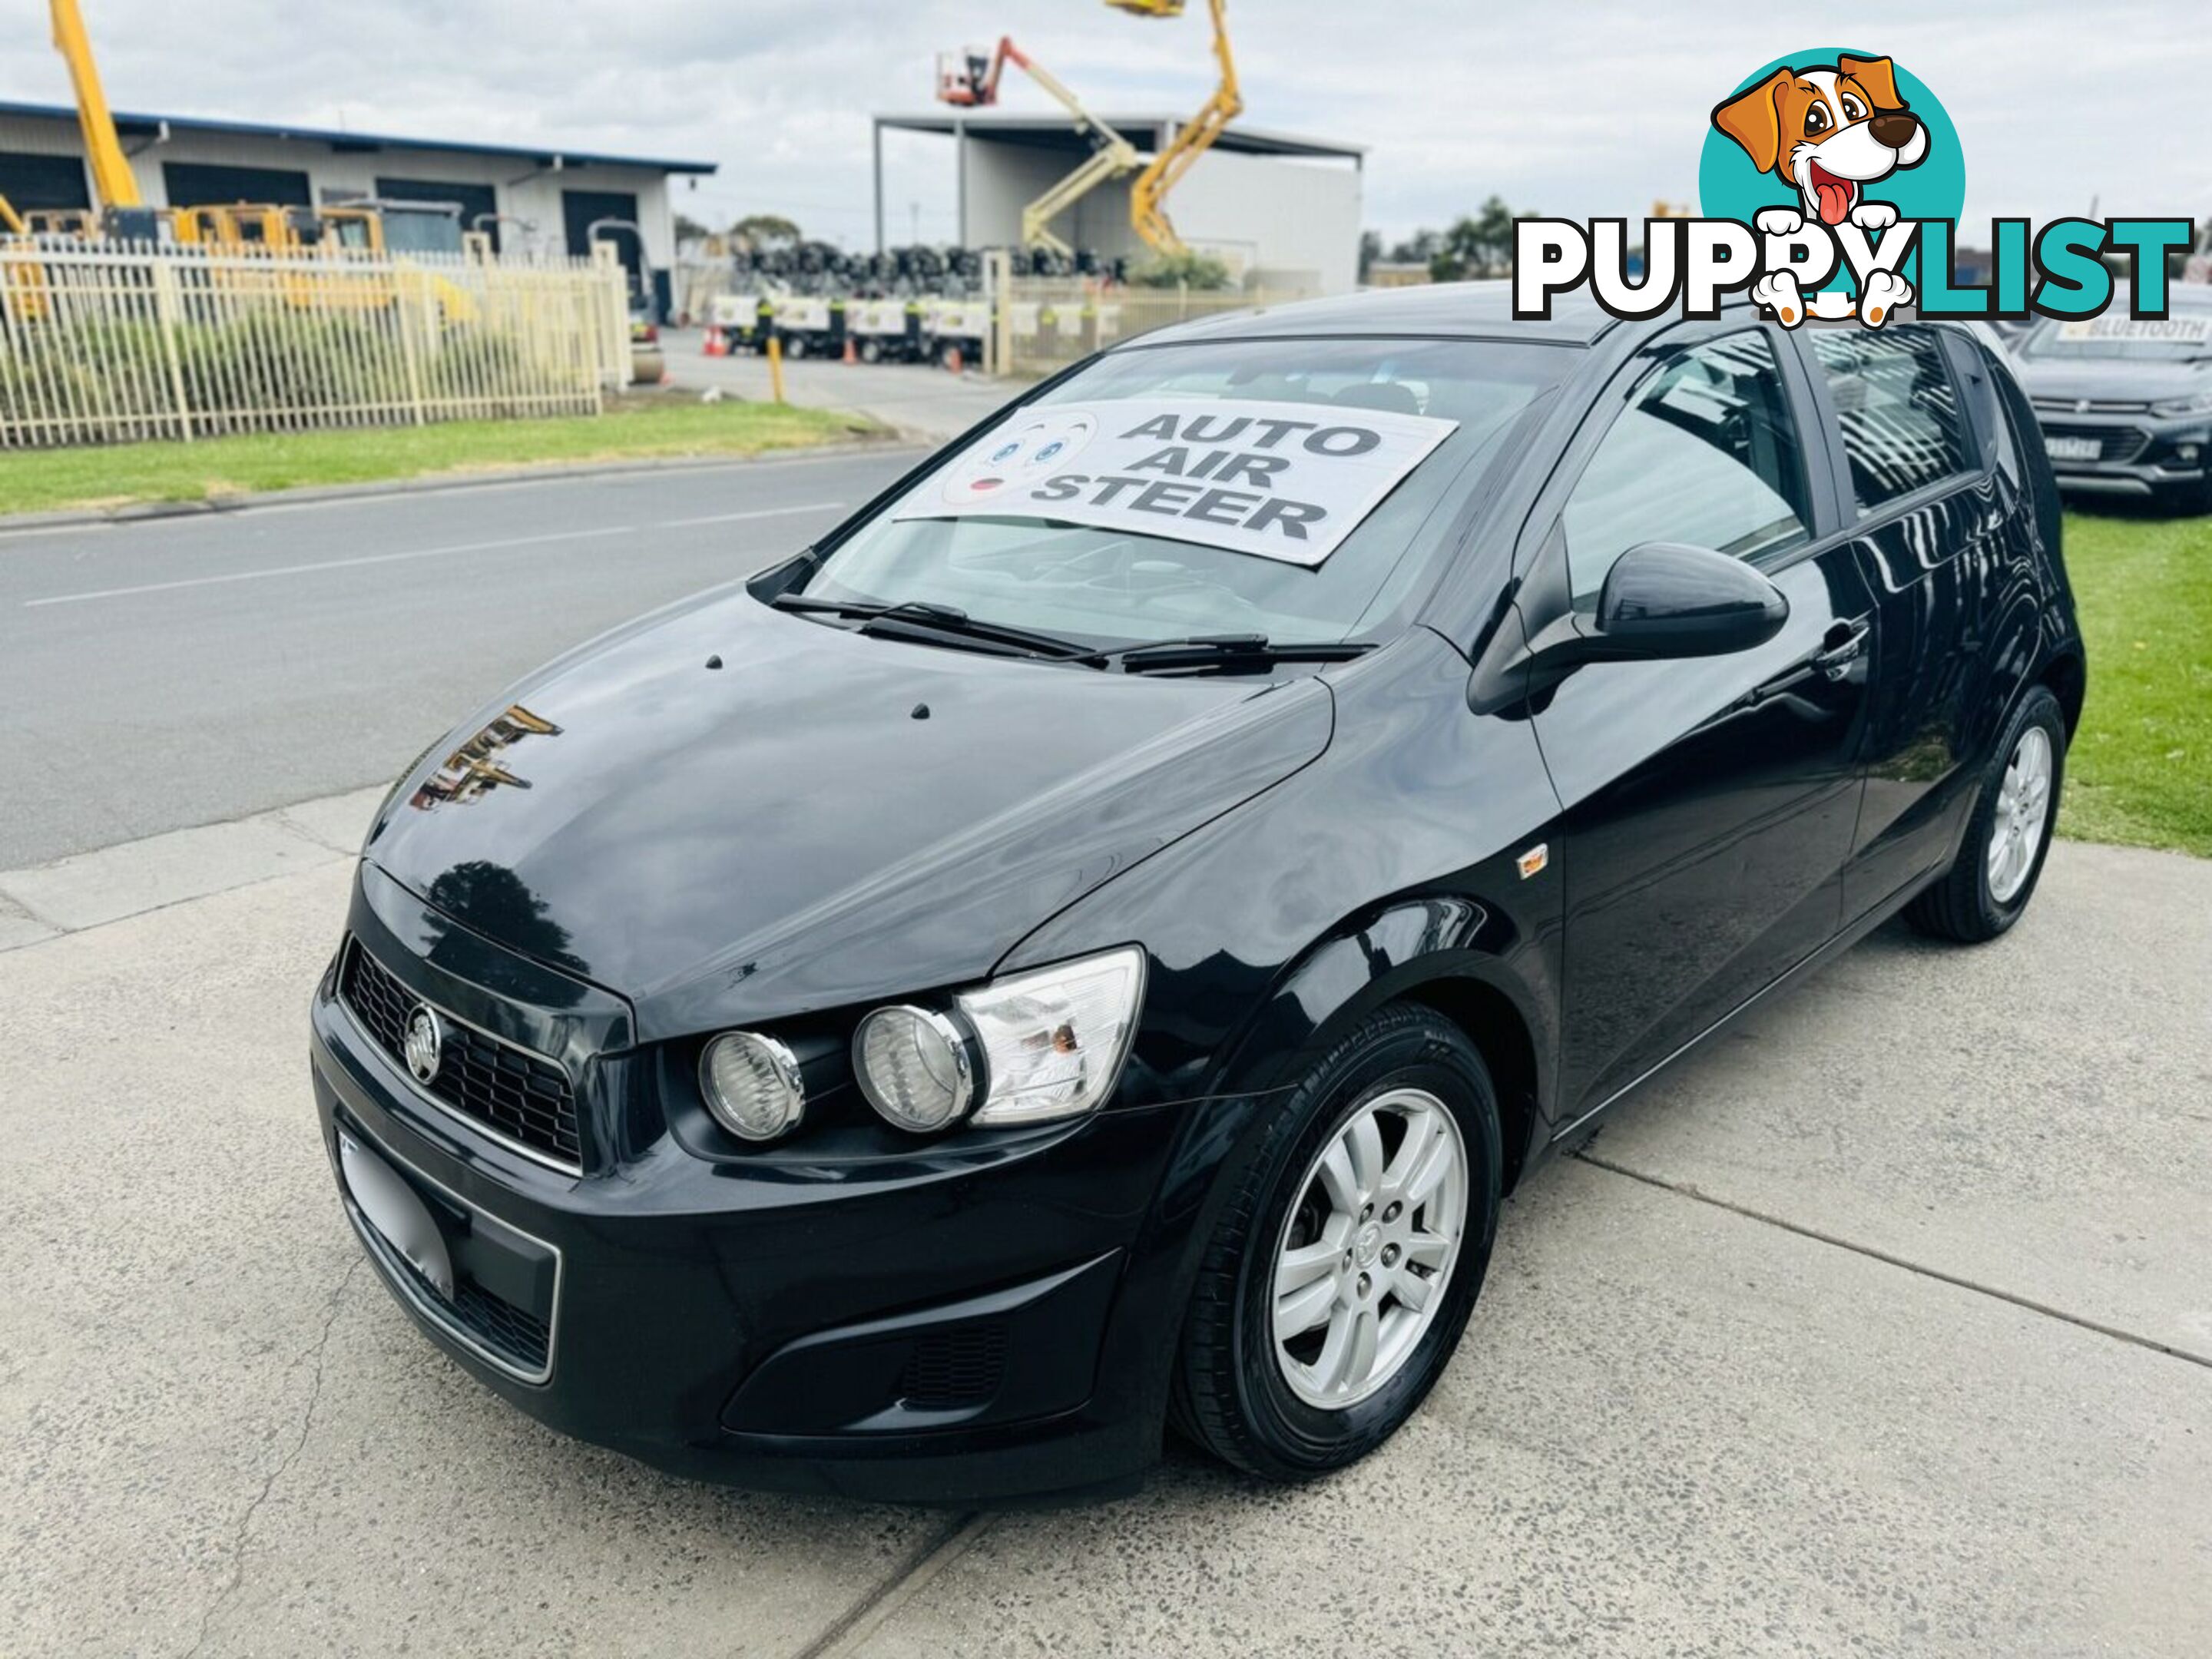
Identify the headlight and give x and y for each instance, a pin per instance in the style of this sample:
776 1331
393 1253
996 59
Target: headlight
1054 1040
914 1067
2198 403
752 1085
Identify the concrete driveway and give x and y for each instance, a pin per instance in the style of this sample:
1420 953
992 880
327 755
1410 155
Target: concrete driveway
1883 1326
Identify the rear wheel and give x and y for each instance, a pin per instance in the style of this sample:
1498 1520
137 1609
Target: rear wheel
1989 885
1344 1267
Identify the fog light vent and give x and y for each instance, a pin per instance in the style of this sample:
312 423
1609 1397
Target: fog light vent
962 1366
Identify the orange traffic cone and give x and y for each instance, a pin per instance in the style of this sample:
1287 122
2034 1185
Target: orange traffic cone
716 345
851 356
952 360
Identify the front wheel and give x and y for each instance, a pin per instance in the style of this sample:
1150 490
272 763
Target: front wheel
1988 887
1349 1256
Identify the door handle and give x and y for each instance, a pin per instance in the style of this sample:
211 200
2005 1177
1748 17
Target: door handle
1840 647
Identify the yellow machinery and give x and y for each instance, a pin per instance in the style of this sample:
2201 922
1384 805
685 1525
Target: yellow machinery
122 210
1148 196
971 79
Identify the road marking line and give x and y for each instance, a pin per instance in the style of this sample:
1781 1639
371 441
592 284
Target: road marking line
326 564
411 553
765 512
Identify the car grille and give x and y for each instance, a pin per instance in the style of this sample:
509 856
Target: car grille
2120 445
2090 406
513 1336
524 1098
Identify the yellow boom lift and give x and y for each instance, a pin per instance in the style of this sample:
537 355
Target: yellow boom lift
1148 196
970 80
122 210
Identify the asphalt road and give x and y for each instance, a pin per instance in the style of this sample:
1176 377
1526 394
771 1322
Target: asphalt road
917 399
176 672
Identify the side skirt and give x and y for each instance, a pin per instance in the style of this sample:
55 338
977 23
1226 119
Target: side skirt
1819 958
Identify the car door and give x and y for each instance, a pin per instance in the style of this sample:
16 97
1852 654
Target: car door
1708 804
1936 533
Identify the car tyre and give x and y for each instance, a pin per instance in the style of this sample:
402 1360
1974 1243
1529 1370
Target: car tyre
1248 1396
1990 883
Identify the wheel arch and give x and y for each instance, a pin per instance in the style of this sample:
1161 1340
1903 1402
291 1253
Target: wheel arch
2067 674
1451 953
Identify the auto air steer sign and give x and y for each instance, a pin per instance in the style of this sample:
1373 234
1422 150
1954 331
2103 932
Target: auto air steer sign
1286 481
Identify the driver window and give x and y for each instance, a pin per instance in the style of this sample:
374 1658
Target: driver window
1706 453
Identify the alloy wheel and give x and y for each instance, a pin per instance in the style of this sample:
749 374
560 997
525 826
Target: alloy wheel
1368 1247
2023 807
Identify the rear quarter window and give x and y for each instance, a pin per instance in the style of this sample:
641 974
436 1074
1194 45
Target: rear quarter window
1898 408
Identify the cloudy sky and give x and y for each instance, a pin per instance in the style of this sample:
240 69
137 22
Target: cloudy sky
1562 107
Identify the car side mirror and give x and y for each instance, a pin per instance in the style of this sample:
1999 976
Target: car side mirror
1661 599
1666 600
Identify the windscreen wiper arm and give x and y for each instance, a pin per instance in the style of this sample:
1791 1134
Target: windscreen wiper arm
1226 651
919 619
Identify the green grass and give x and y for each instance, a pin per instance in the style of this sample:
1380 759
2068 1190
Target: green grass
638 427
2140 771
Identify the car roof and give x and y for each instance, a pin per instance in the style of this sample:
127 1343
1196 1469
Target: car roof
1442 310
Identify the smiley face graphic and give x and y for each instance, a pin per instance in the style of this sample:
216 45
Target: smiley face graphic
1027 450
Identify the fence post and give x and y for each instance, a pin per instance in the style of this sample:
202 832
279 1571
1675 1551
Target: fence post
998 285
402 315
613 305
168 313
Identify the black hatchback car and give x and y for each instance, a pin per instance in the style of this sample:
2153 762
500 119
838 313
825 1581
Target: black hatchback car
1088 945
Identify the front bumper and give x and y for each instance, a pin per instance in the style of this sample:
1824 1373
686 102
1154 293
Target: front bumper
2132 455
954 1326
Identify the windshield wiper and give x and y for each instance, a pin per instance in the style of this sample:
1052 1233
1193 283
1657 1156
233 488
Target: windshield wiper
1226 651
919 619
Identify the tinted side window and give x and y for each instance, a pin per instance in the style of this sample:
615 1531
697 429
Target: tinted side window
1706 452
1899 410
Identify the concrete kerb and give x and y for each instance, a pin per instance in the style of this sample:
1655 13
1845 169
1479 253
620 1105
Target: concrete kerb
90 889
24 524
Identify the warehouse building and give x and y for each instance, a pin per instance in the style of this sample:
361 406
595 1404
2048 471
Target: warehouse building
1281 212
528 198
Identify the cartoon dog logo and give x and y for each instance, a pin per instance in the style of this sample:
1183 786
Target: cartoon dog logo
1828 132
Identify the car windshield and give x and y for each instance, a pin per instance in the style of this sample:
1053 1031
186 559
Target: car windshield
1445 405
2185 337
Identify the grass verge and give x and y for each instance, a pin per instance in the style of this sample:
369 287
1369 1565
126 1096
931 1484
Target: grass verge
2140 771
635 428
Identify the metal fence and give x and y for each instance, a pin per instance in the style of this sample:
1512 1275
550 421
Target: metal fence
107 342
1047 323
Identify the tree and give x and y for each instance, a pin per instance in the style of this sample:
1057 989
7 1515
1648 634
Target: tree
1417 249
688 229
1480 246
1371 250
1197 271
765 229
